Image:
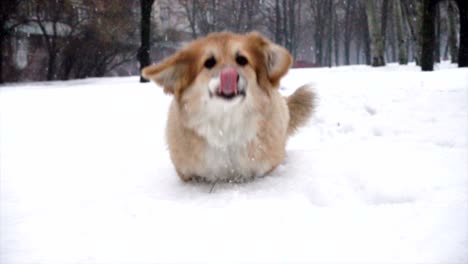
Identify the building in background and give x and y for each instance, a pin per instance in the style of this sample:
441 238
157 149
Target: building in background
25 52
84 38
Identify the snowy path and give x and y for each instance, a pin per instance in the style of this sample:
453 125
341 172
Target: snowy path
380 175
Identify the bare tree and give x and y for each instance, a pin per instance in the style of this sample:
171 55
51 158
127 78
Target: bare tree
105 42
278 27
463 47
336 36
402 55
330 30
145 31
377 47
386 9
57 22
438 34
321 33
206 16
191 9
428 35
252 9
362 35
391 36
348 30
412 11
452 39
366 37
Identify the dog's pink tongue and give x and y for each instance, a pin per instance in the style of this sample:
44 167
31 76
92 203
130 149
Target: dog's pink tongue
228 84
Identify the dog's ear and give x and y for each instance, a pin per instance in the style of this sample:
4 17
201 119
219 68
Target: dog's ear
171 73
277 59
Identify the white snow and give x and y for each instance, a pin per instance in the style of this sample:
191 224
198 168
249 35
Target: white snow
379 175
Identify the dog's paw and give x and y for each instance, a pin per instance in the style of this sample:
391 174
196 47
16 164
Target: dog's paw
184 177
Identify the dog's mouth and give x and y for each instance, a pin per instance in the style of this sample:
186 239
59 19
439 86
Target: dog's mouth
226 96
230 85
229 96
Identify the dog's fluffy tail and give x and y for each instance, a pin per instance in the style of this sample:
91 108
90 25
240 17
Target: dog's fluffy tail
301 105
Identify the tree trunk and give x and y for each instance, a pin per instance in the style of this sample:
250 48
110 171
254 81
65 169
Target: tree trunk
386 9
419 25
330 33
319 33
145 31
51 65
452 39
297 26
2 40
366 38
278 38
347 32
336 39
402 55
463 47
285 24
445 55
51 45
367 48
250 14
292 27
358 49
191 10
414 25
428 36
392 42
214 14
437 34
377 48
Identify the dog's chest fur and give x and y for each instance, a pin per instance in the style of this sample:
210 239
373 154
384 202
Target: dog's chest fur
230 134
232 163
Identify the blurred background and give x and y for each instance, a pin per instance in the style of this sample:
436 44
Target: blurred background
70 39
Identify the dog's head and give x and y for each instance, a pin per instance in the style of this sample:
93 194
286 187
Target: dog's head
222 83
224 65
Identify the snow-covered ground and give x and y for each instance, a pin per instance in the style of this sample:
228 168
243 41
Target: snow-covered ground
379 175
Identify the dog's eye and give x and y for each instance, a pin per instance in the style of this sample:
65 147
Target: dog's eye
241 60
210 63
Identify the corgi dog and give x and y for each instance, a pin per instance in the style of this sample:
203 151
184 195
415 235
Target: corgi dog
227 120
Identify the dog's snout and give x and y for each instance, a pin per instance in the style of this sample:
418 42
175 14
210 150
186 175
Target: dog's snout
229 71
229 78
229 83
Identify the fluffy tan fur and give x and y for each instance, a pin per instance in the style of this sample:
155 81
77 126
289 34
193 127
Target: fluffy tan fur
216 139
300 104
